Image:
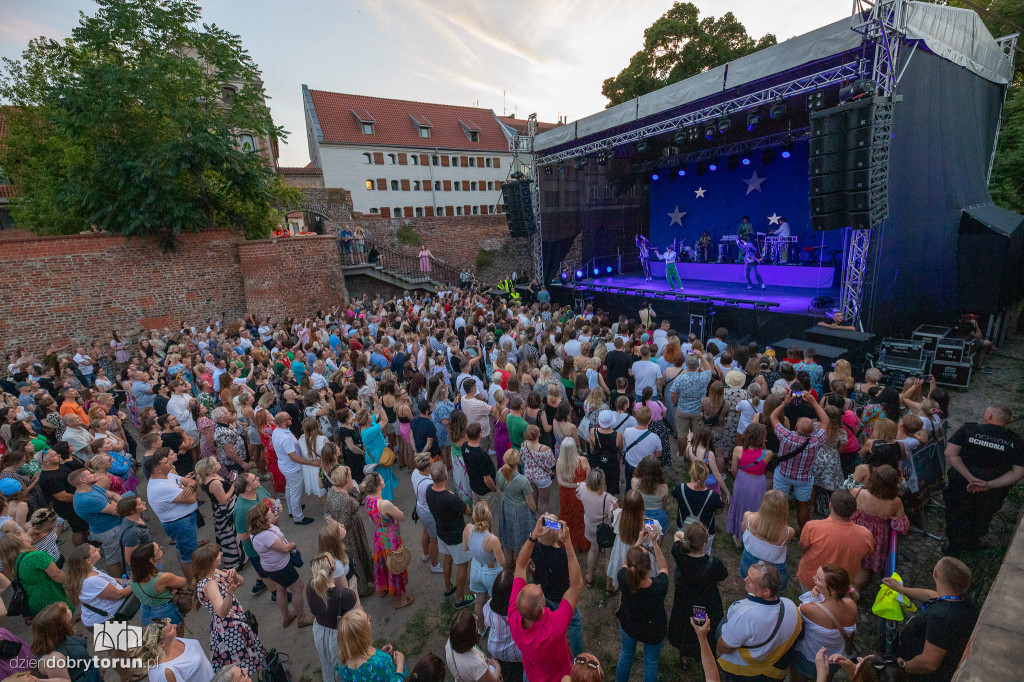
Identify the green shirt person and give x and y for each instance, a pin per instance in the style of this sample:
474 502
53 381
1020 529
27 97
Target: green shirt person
746 230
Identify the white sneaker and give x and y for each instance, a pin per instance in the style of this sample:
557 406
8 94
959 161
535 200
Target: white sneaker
437 569
425 557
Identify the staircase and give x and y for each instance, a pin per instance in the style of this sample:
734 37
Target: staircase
399 269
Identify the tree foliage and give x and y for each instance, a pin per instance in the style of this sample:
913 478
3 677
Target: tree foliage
124 125
678 45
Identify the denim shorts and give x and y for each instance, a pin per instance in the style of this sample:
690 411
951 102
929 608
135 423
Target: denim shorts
285 577
481 578
183 531
168 610
801 489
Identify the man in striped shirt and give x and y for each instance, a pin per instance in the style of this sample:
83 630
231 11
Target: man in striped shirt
797 450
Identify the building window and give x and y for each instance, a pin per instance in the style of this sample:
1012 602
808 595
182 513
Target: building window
392 159
419 211
369 184
424 132
367 128
474 136
416 187
490 185
415 159
488 161
472 162
439 210
246 142
472 185
368 158
375 211
394 185
455 162
476 210
437 184
458 210
436 160
456 185
490 209
397 212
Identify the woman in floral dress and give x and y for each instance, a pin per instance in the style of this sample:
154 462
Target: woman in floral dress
207 448
386 539
443 408
232 641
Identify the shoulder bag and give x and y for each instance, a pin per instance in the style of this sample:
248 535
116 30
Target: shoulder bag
605 532
19 599
848 639
642 436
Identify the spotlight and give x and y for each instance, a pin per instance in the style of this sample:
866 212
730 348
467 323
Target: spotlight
786 154
753 120
680 137
745 161
709 133
579 274
547 170
815 100
580 163
724 124
693 133
681 172
602 158
787 150
608 269
596 271
654 177
712 167
565 276
778 109
641 146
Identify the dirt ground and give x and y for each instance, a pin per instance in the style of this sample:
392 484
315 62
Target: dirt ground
423 627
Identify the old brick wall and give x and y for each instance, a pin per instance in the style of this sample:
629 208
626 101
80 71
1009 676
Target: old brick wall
78 288
291 275
359 285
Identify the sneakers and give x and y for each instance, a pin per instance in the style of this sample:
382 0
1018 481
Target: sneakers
464 603
260 587
438 569
424 558
763 287
304 522
450 591
749 287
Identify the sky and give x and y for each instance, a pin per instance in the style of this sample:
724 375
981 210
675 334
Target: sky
523 56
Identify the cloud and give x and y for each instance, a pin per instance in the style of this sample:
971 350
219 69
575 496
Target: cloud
19 29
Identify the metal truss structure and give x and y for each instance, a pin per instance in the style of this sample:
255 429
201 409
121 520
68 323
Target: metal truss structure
523 144
1008 44
799 86
884 24
711 153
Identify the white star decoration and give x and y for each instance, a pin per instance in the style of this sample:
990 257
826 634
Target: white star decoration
700 192
774 219
677 217
754 183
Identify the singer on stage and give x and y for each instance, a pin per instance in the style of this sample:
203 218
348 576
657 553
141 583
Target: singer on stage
750 258
645 255
670 266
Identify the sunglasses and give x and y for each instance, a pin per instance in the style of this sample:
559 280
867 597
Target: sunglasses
590 663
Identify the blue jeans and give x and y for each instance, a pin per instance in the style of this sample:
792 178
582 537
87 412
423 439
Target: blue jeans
628 652
747 560
575 632
747 270
183 532
168 610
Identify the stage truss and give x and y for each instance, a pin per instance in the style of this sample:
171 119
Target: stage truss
523 144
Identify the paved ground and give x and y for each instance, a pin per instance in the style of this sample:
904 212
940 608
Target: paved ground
424 626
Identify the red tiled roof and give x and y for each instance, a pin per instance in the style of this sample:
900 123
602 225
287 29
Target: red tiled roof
395 122
294 170
519 124
6 191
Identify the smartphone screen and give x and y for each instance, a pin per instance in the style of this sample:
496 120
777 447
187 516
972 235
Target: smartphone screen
700 614
552 524
649 523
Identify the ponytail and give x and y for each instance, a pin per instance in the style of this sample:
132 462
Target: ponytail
695 538
638 566
323 574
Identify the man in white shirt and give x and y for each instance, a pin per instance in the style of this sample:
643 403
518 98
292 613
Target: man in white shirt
245 340
477 411
173 499
639 442
646 373
661 332
78 438
85 364
493 388
179 407
290 462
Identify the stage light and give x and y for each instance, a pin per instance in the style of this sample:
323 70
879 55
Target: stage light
641 146
815 100
693 133
580 163
654 177
778 109
753 120
597 271
602 158
787 150
745 161
565 276
724 124
579 274
680 137
712 167
681 172
709 133
608 269
547 170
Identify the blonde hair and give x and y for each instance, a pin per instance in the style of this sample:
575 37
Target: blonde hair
885 430
844 373
206 468
595 481
355 640
770 521
329 540
481 517
511 464
568 459
341 475
323 574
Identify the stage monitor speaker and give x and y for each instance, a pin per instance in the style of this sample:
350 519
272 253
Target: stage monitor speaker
518 203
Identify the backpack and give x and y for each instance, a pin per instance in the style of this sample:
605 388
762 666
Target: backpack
691 518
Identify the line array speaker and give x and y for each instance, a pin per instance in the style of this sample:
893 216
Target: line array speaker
518 208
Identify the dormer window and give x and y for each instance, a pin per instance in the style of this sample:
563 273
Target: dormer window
423 125
474 136
424 132
365 120
367 128
471 129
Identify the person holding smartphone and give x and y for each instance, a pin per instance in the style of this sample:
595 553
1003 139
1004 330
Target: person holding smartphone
641 611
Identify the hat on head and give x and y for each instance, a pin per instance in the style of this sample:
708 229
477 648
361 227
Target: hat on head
606 419
9 486
22 384
735 378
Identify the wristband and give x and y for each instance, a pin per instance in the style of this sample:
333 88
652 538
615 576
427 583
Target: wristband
532 539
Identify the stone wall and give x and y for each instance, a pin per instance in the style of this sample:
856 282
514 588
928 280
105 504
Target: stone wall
77 288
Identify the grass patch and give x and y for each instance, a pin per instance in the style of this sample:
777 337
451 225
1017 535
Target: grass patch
406 235
485 258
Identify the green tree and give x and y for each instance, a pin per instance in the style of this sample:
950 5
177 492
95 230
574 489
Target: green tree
678 45
126 125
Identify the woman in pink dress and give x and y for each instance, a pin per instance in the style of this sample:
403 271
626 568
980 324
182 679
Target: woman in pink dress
425 257
387 538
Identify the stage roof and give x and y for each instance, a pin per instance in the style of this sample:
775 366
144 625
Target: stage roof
955 34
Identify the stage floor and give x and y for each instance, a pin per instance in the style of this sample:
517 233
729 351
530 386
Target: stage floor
792 300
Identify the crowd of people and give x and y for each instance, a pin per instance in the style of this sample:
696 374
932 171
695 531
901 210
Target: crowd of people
535 440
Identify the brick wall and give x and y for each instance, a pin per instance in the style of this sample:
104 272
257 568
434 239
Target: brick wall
77 288
291 276
358 285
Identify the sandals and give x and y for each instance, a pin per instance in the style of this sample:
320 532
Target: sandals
288 621
589 583
408 600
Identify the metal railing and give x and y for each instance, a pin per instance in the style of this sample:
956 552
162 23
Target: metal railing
401 264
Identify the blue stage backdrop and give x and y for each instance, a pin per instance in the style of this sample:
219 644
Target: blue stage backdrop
682 207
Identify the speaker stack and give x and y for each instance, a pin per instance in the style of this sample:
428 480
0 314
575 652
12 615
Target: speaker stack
518 206
840 165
